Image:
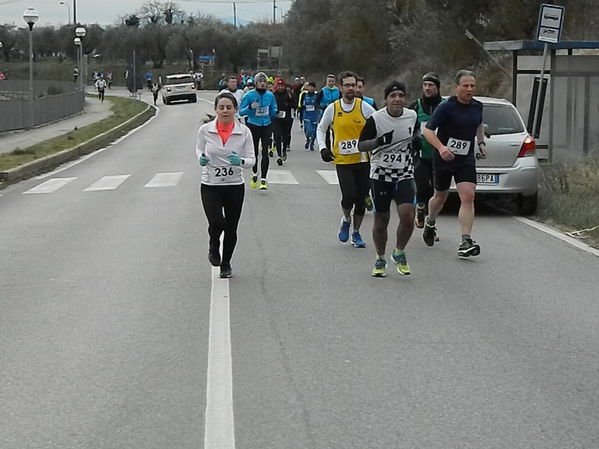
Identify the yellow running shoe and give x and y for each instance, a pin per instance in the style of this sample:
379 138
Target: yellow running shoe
263 185
378 271
401 263
254 182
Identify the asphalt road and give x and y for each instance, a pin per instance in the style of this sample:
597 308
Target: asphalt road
105 315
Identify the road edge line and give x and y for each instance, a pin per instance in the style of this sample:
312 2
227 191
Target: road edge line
557 234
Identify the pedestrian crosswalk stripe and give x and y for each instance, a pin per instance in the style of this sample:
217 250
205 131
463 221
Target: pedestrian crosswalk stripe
167 179
164 180
329 176
281 177
107 183
50 186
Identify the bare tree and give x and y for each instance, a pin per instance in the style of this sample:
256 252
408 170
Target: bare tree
156 12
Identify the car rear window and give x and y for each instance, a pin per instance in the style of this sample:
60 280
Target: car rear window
501 120
179 80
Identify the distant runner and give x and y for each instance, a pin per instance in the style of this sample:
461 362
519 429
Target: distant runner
260 107
309 115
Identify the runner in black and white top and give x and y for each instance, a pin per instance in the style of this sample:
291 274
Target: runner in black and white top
101 87
458 121
388 135
224 146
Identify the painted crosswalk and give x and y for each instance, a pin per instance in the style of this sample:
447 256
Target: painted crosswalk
281 177
51 185
161 181
329 176
107 183
164 180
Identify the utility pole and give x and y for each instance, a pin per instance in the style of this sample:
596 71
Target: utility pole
274 11
234 15
75 12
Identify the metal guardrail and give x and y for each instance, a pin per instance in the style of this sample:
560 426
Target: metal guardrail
15 110
11 95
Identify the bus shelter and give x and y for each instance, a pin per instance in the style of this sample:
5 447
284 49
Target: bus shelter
569 125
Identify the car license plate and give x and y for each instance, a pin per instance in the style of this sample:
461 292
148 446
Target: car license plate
487 178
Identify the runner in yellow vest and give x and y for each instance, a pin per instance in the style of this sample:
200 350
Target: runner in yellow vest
346 117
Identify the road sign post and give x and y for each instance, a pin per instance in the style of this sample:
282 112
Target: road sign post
549 30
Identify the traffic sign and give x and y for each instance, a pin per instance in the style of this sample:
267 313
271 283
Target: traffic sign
551 19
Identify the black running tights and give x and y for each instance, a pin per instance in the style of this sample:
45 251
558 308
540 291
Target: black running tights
264 134
216 200
282 132
423 175
354 181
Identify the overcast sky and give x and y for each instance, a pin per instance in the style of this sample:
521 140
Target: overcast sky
107 12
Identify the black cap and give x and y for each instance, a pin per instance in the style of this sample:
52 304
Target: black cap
393 86
433 78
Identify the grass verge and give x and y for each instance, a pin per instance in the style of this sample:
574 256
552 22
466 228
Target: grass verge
568 198
122 108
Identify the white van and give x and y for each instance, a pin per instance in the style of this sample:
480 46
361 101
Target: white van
178 87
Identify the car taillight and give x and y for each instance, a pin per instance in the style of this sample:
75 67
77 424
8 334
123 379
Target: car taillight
193 86
528 147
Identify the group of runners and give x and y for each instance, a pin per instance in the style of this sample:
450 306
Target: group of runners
268 106
405 155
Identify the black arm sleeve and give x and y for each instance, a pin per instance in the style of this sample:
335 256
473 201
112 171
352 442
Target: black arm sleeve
416 139
318 99
368 138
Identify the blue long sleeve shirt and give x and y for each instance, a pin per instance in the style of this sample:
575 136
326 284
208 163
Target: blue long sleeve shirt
264 113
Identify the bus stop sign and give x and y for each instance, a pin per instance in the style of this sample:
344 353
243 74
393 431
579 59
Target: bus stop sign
551 19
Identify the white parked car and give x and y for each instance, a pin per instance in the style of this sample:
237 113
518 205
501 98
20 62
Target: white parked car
178 87
511 166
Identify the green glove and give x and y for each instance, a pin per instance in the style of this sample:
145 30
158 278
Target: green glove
234 158
203 160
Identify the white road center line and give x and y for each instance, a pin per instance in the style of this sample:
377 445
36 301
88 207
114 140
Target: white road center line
281 177
107 183
51 185
329 176
219 432
164 180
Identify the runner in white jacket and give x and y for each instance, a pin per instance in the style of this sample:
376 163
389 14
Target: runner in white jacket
224 147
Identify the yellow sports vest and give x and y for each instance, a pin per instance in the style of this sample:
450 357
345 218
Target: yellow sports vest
347 127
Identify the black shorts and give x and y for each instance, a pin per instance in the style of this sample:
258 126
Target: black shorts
461 173
402 192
